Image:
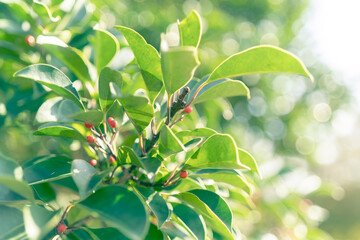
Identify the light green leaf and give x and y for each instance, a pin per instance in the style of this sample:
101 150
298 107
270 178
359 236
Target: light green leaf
95 117
148 60
218 152
190 220
82 173
259 59
248 160
106 47
42 10
71 57
48 168
120 208
222 88
59 130
197 132
169 144
139 110
190 30
14 190
212 207
224 176
52 78
126 155
178 67
106 77
56 110
39 221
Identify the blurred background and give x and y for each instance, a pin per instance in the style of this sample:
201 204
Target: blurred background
304 135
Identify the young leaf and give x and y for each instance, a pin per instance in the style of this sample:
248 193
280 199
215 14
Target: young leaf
198 132
39 221
106 77
225 176
218 152
52 78
222 88
120 208
259 59
178 67
139 110
105 46
82 173
95 117
212 207
71 57
190 220
48 168
169 144
248 160
190 30
148 60
56 109
59 130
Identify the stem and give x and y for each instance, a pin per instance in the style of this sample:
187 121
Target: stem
146 184
172 174
65 213
196 93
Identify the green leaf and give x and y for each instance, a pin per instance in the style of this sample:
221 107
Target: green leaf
155 233
108 234
178 67
95 117
169 144
56 110
106 77
120 208
59 130
39 221
259 59
197 132
151 164
160 208
42 10
8 167
139 111
222 88
190 30
106 47
218 152
82 173
212 207
225 176
71 57
48 168
248 160
126 155
52 78
11 223
116 110
148 60
190 220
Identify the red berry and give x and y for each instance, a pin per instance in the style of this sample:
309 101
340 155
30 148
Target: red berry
93 162
90 139
88 125
183 174
113 124
188 109
61 228
109 120
29 39
112 159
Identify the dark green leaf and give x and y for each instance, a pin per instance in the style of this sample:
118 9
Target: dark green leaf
52 78
190 30
148 60
259 59
59 130
108 234
11 223
155 233
160 208
190 220
107 77
178 67
120 208
106 47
